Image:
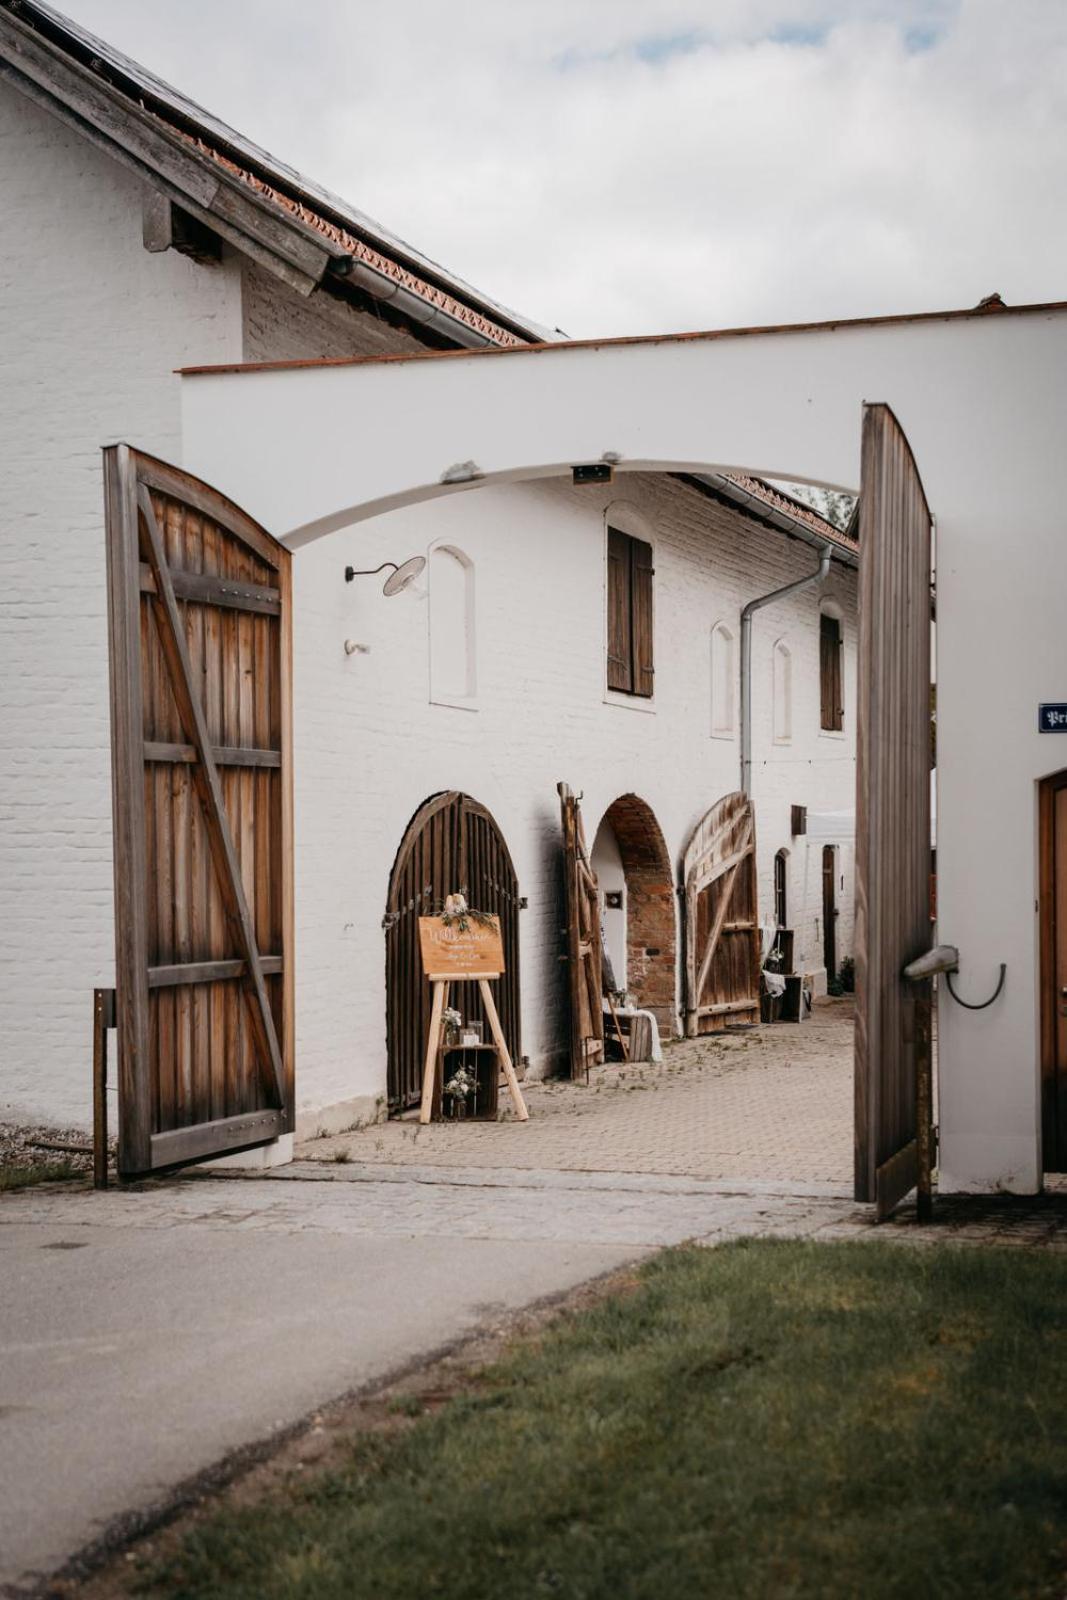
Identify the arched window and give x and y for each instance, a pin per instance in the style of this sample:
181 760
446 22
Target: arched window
782 689
453 679
723 683
781 889
831 669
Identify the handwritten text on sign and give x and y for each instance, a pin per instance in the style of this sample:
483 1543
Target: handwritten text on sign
449 952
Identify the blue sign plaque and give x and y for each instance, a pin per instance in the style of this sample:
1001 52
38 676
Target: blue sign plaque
1052 718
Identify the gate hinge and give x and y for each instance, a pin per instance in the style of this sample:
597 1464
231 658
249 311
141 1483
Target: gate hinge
390 920
524 904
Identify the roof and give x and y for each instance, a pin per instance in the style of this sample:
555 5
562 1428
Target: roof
54 59
791 506
757 498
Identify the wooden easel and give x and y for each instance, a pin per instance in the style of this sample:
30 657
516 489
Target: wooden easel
449 957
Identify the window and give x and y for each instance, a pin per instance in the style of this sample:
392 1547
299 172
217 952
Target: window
723 695
630 570
782 689
831 685
781 899
452 641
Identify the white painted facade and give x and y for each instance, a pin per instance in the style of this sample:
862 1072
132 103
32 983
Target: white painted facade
983 399
92 327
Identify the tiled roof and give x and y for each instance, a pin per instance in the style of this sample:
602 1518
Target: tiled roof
785 503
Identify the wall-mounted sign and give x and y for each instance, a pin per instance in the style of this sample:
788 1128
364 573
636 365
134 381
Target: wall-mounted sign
1052 718
451 952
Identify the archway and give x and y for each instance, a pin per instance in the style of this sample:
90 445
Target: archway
451 844
633 869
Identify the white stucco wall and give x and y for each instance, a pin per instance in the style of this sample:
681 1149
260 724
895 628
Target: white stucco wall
91 327
983 401
370 745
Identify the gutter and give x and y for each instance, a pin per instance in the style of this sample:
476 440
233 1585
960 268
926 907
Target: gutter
725 488
807 582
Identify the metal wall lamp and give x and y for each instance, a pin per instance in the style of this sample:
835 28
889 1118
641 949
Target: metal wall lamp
399 577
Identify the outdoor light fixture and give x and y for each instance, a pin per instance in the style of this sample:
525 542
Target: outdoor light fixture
399 578
593 472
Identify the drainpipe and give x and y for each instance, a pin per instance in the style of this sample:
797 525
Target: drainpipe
747 614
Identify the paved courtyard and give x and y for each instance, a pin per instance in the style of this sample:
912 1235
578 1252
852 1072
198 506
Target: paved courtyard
770 1106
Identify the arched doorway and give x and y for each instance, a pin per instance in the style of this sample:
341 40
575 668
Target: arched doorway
452 844
633 869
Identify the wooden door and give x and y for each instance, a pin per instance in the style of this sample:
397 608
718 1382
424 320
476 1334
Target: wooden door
892 809
581 907
200 657
452 845
829 911
722 940
1054 972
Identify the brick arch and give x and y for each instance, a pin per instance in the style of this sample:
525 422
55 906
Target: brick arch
651 923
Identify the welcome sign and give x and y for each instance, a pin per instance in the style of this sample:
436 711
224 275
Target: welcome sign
449 951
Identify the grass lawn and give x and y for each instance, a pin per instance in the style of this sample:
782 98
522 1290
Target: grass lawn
761 1420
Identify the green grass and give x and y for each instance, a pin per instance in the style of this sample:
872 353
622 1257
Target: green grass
763 1420
13 1177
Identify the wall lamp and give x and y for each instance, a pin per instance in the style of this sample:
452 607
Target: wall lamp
399 577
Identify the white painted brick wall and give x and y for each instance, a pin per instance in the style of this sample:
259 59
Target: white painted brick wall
370 747
92 328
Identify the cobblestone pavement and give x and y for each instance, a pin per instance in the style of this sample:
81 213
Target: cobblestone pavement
772 1105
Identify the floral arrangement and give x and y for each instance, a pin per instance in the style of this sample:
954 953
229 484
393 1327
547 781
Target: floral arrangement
461 1085
457 913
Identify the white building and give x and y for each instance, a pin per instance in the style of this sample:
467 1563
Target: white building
130 251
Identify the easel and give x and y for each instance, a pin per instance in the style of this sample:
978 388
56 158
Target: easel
443 951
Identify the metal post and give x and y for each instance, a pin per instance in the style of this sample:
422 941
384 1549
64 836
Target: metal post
103 1019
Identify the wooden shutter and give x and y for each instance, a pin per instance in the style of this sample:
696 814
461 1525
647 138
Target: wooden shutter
581 903
641 612
831 691
620 630
200 656
892 810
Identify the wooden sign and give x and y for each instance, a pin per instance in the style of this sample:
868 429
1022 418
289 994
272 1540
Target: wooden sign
451 952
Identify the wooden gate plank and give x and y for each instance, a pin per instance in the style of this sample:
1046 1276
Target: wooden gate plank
725 898
581 908
127 778
892 804
718 867
206 777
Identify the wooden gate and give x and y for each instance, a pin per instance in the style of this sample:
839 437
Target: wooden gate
452 845
581 907
722 940
200 652
892 809
829 911
1053 907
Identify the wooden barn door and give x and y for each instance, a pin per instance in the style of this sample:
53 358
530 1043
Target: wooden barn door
829 911
892 809
452 845
722 940
581 909
200 647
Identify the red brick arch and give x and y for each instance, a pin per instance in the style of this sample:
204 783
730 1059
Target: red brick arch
651 920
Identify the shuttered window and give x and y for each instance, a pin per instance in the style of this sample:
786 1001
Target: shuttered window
630 571
831 686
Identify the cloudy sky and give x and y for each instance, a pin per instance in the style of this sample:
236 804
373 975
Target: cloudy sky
631 166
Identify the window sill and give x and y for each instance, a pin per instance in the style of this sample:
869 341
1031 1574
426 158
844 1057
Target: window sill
727 735
833 733
631 702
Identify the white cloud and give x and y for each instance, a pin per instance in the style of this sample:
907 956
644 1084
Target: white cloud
620 166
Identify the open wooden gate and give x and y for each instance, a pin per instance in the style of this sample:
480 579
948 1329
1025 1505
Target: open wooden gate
722 941
200 655
892 809
451 845
581 907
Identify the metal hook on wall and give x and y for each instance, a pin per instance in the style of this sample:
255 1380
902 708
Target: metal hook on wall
970 1005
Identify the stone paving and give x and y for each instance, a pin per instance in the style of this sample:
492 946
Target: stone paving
771 1105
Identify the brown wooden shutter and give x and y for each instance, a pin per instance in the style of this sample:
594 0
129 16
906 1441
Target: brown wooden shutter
832 700
641 611
620 636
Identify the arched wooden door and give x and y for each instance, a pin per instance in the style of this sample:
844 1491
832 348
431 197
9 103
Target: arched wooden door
452 845
722 940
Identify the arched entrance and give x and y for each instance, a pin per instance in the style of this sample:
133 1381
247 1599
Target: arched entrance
633 869
452 844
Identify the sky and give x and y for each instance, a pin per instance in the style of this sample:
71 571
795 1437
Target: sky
639 166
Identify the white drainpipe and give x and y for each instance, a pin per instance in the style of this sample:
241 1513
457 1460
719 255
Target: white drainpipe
747 614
